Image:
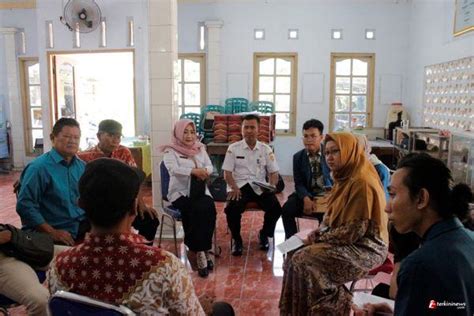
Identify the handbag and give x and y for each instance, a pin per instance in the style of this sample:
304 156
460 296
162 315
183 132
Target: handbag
33 248
197 188
218 189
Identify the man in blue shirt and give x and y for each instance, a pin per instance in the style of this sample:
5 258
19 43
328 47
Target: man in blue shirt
311 175
47 200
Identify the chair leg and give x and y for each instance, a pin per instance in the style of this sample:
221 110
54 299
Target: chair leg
161 229
217 249
175 240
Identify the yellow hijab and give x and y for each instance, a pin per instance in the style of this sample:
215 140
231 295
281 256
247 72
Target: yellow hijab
357 193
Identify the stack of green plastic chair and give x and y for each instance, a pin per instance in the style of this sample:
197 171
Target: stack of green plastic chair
236 105
262 106
195 117
207 131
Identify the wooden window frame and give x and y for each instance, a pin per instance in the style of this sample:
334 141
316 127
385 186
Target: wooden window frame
294 87
201 58
370 85
52 83
26 106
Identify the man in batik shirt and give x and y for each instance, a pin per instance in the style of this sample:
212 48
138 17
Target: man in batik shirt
109 135
311 175
113 264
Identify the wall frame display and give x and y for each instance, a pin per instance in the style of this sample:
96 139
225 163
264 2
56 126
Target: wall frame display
449 95
463 17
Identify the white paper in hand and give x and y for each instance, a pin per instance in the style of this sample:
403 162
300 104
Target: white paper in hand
292 243
264 185
361 298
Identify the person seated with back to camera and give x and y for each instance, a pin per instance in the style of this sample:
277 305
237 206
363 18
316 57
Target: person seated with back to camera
247 161
352 239
109 136
186 157
422 200
113 264
311 176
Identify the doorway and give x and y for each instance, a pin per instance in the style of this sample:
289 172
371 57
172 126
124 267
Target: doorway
93 86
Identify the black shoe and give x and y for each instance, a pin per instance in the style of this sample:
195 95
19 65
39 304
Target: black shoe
210 265
203 273
237 248
263 240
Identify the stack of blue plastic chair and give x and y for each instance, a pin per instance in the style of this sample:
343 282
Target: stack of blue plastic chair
207 124
195 117
262 106
236 105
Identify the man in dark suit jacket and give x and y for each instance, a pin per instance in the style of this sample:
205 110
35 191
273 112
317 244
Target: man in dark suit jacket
311 175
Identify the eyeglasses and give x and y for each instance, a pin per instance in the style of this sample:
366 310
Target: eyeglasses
71 137
332 152
308 137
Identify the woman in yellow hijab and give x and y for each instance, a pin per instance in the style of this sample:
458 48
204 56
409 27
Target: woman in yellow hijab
352 239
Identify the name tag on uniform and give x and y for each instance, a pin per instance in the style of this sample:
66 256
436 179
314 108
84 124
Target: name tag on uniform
240 157
184 157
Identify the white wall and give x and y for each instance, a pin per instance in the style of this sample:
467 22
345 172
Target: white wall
314 19
25 20
432 42
410 35
116 13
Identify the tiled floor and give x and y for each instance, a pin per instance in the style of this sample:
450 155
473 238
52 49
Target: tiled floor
251 283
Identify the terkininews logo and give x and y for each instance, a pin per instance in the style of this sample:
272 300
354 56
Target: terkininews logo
435 305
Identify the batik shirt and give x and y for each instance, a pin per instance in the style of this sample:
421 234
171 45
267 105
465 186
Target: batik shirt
122 153
317 181
121 269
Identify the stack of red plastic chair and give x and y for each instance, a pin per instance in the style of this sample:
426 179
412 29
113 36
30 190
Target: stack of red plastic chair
220 128
266 131
234 128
